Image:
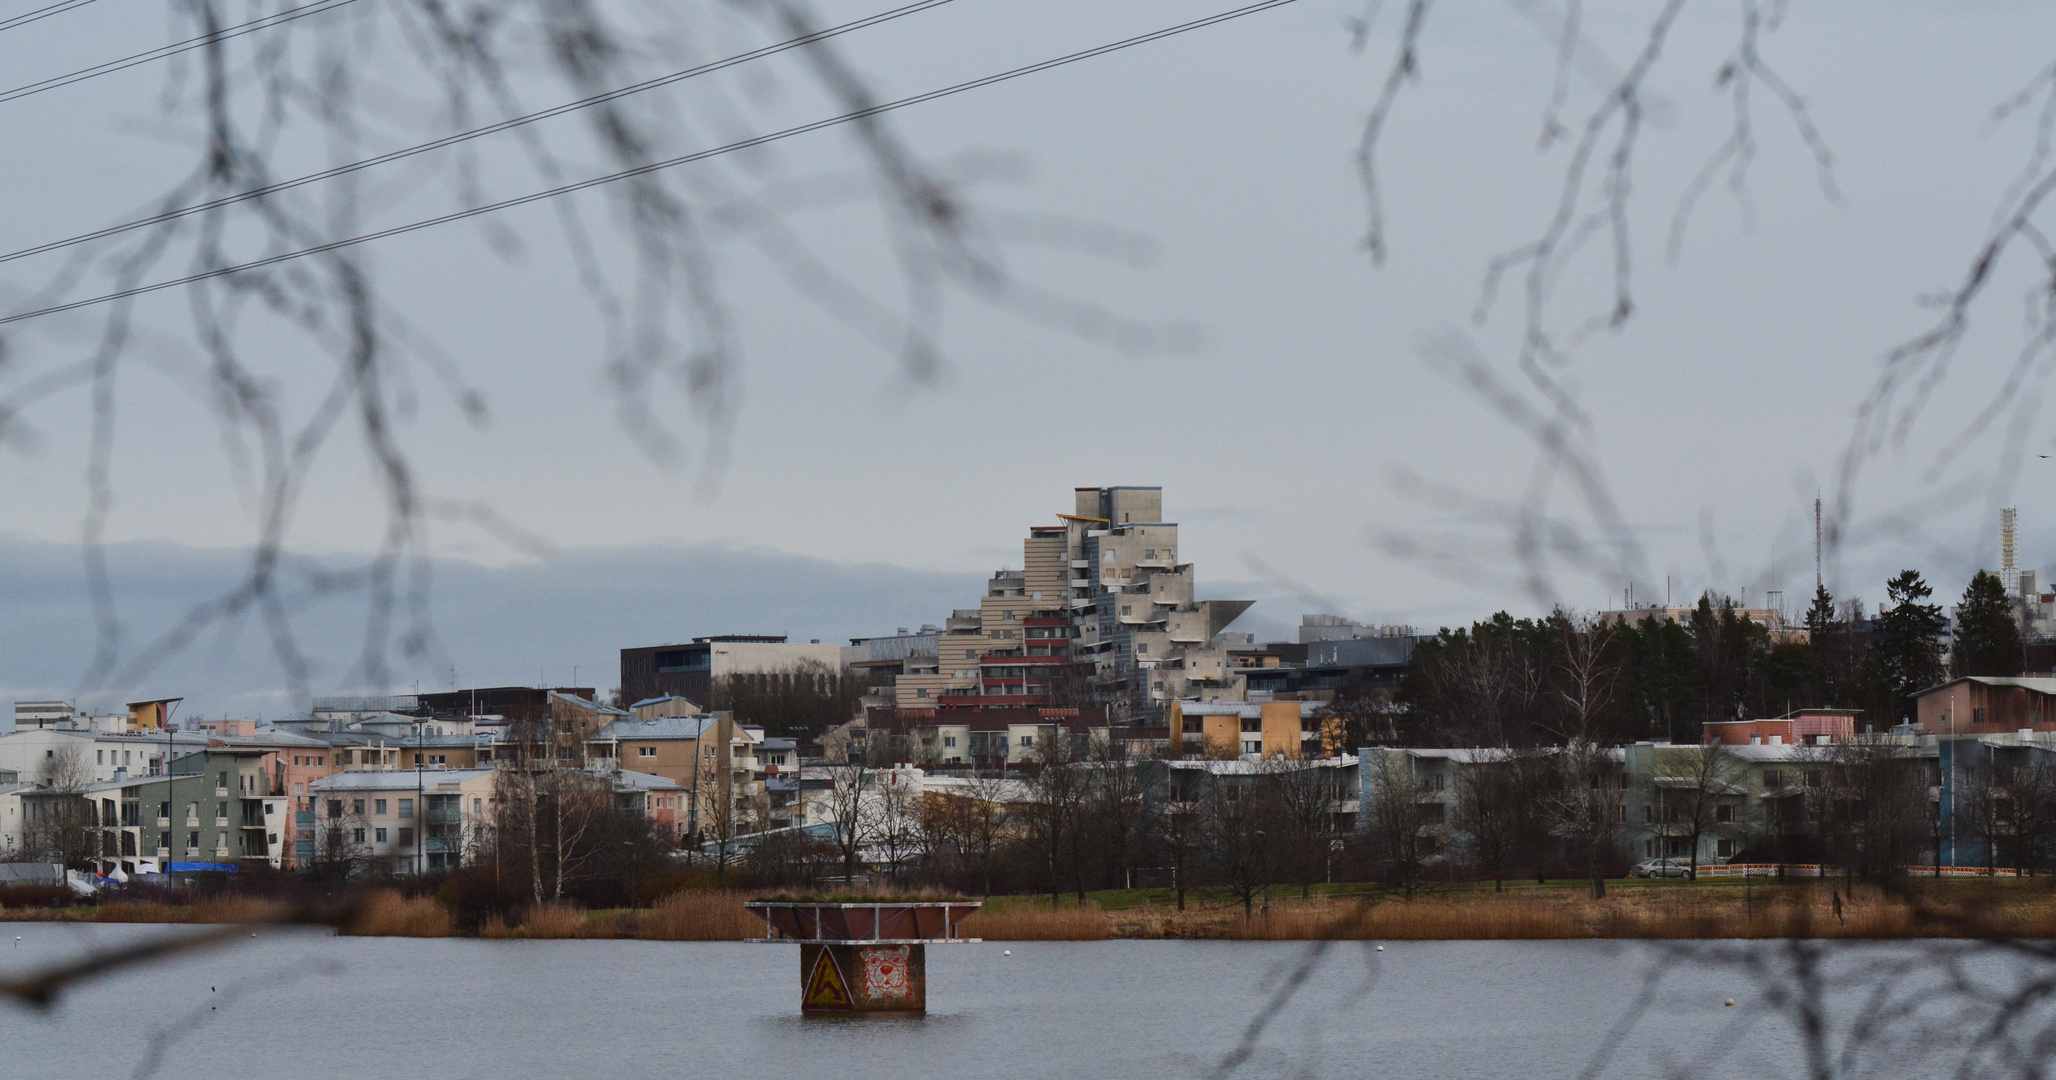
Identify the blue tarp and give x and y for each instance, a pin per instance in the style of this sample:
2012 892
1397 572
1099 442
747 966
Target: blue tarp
226 868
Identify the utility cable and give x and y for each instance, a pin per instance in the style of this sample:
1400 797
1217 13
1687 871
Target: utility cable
267 22
465 136
655 166
28 17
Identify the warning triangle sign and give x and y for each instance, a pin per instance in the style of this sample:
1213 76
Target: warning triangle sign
825 987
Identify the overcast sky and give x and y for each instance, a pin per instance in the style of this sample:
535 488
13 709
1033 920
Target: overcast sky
1292 393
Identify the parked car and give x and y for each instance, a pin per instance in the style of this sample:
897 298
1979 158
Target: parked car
1663 868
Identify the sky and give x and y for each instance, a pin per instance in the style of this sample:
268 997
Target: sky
1203 188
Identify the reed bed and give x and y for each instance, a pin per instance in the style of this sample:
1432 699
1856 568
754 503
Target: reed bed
1672 913
1665 911
386 913
697 916
1025 922
547 921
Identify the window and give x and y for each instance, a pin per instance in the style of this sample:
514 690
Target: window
478 806
947 740
407 808
164 811
1127 609
1977 716
380 805
381 836
1149 553
406 837
221 811
1142 649
357 835
645 751
221 780
1193 727
1252 746
335 809
357 808
192 841
920 693
1027 740
1772 778
99 757
1724 813
1252 724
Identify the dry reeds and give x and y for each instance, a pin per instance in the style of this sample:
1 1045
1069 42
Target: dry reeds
696 915
1664 912
386 913
1026 922
552 921
137 911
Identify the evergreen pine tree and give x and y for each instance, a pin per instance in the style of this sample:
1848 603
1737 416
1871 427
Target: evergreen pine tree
1987 637
1906 645
1820 616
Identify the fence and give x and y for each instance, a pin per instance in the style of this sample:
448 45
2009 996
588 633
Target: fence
1820 870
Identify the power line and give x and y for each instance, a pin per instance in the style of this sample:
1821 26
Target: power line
655 166
464 136
173 49
28 17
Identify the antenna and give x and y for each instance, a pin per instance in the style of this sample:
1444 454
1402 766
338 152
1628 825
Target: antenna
1818 582
2009 569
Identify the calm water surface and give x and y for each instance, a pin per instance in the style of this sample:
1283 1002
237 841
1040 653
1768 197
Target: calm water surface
306 1006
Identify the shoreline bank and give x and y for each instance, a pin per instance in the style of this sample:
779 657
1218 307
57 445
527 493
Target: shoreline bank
1670 912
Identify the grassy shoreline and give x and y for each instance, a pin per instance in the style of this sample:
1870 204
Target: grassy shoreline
1557 911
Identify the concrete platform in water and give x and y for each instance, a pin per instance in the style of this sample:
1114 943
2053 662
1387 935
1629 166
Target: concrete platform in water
866 957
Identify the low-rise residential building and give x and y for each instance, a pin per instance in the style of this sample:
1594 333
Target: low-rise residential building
1815 726
216 809
1289 730
67 757
1979 705
393 822
1183 783
711 757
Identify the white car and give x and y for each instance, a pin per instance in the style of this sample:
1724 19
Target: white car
1663 868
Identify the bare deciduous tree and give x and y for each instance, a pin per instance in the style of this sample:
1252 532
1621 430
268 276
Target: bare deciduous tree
1698 790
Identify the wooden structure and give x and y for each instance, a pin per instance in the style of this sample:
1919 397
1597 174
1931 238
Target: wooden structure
863 957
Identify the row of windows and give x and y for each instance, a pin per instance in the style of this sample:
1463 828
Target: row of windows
335 807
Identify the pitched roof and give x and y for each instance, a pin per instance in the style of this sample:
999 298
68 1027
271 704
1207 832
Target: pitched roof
645 781
662 698
663 727
2038 685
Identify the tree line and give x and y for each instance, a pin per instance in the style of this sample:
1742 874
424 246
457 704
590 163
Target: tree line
1530 682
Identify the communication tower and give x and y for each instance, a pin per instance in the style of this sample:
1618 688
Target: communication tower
2009 566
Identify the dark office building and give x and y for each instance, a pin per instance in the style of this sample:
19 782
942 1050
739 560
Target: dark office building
686 670
516 703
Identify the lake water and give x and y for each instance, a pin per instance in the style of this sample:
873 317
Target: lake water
296 1005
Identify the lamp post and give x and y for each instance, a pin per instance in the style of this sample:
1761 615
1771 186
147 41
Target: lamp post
420 805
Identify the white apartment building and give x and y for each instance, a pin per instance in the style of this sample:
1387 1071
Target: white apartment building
36 754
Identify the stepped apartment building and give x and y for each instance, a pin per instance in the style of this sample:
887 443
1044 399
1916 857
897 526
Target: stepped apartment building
1101 610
